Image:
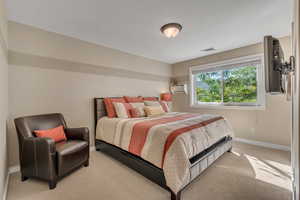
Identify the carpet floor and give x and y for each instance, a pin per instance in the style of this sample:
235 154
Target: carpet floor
248 173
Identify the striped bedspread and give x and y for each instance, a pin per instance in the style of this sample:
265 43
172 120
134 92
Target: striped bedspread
167 141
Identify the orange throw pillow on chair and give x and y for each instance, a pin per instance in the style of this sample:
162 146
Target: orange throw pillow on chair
57 134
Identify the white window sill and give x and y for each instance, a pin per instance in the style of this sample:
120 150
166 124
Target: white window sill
229 107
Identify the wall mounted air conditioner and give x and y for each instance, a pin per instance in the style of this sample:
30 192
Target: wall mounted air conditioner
179 89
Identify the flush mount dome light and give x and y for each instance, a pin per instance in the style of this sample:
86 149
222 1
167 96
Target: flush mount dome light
171 30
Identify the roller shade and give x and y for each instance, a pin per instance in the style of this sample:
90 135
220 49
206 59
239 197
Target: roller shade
212 68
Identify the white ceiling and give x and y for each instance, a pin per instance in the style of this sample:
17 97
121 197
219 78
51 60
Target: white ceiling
133 26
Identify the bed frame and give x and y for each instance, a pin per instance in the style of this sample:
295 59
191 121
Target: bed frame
199 162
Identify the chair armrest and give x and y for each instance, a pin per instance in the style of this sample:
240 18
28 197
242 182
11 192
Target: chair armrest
38 157
42 145
78 134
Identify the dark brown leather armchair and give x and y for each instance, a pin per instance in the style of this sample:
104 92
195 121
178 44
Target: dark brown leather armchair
44 159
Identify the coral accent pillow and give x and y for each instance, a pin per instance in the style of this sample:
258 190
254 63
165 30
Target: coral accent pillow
153 110
166 97
110 109
150 99
57 134
133 99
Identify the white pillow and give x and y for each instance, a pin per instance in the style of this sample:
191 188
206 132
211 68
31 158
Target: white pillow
135 105
140 107
122 109
152 103
138 112
163 104
154 111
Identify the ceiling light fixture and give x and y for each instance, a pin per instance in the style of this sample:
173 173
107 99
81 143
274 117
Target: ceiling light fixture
171 30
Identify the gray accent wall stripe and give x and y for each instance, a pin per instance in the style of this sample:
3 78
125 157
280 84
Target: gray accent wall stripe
23 59
3 44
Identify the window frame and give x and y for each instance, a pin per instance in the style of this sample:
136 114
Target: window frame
218 66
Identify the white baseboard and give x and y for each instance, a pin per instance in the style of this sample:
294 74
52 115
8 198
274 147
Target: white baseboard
13 169
92 148
5 189
263 144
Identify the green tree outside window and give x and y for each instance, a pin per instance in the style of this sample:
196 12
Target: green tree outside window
237 85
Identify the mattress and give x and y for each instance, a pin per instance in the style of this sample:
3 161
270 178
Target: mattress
168 141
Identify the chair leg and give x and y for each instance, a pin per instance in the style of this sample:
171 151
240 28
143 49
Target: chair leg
86 164
24 178
175 196
52 185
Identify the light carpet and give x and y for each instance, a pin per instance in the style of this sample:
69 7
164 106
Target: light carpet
248 173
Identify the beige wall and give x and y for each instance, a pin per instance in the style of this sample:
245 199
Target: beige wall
3 20
49 72
271 125
3 97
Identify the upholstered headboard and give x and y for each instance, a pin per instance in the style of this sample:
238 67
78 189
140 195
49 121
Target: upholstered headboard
100 110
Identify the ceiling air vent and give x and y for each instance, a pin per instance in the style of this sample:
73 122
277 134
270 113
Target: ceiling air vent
209 49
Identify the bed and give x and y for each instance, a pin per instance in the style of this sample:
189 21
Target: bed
170 150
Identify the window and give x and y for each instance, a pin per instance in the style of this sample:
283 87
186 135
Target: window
236 83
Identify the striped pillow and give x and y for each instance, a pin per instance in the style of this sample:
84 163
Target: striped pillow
137 112
110 109
136 105
163 104
153 110
123 109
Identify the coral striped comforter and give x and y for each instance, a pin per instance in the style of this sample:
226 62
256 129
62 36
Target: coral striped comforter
167 141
